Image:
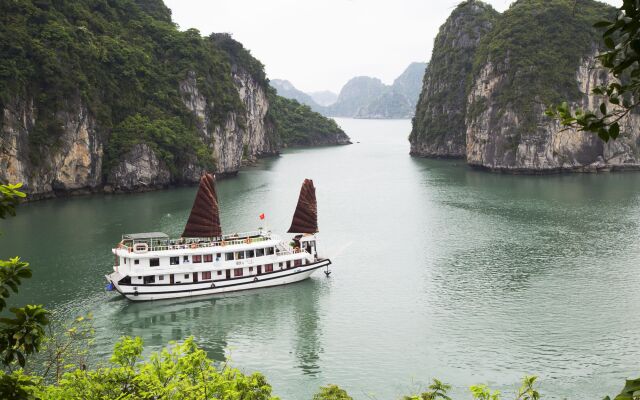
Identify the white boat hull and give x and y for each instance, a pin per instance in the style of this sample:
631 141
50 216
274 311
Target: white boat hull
146 292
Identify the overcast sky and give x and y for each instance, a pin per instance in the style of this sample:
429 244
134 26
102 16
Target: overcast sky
321 44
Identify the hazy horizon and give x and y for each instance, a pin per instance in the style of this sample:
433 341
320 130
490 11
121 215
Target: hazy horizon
319 46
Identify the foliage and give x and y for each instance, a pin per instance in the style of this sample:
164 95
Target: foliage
118 59
482 392
65 347
631 391
168 137
437 390
238 55
181 371
298 125
331 392
622 60
10 196
536 47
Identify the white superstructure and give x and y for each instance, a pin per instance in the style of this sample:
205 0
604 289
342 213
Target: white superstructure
150 266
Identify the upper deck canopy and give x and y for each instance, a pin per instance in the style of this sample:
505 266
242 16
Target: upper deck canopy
147 235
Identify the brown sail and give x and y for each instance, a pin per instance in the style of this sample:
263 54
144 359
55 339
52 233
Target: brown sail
204 220
305 219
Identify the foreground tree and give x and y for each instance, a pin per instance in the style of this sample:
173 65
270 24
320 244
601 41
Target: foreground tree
22 331
622 60
181 371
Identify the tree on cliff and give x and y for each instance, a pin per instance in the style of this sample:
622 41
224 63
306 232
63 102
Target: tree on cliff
622 60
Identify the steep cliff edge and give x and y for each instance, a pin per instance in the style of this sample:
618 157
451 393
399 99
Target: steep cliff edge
111 96
539 53
439 123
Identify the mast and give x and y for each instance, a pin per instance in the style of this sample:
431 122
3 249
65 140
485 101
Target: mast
204 220
305 218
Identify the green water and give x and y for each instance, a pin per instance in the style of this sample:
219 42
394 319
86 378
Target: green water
439 271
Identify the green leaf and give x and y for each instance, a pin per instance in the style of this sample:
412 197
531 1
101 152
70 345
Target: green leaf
602 24
614 130
609 43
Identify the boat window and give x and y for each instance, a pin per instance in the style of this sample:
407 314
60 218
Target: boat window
154 262
160 277
240 255
268 268
197 259
288 264
259 252
297 263
219 272
206 275
136 262
186 276
185 259
208 258
174 260
250 254
237 272
228 256
218 256
150 279
269 251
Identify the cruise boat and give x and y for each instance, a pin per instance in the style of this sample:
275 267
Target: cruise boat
203 261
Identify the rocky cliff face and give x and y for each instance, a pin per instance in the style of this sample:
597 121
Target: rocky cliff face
524 65
75 163
495 137
242 137
136 110
438 125
492 77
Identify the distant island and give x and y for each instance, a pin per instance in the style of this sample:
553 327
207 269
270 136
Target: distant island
363 96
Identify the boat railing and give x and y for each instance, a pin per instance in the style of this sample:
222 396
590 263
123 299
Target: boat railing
290 250
227 240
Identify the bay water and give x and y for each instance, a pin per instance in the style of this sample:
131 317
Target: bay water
438 271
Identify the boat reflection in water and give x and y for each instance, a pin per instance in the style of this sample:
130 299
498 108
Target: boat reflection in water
262 321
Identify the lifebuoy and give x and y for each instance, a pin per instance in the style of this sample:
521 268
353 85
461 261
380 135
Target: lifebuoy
140 248
213 285
255 279
194 245
223 243
248 241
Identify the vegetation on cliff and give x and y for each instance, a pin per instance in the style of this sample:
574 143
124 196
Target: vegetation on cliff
299 125
441 109
536 46
122 61
117 58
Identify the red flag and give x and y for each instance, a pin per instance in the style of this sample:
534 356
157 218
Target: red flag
262 216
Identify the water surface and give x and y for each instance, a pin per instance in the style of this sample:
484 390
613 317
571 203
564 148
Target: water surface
439 271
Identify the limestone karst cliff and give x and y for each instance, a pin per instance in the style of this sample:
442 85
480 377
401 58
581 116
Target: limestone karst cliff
536 53
439 123
112 96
